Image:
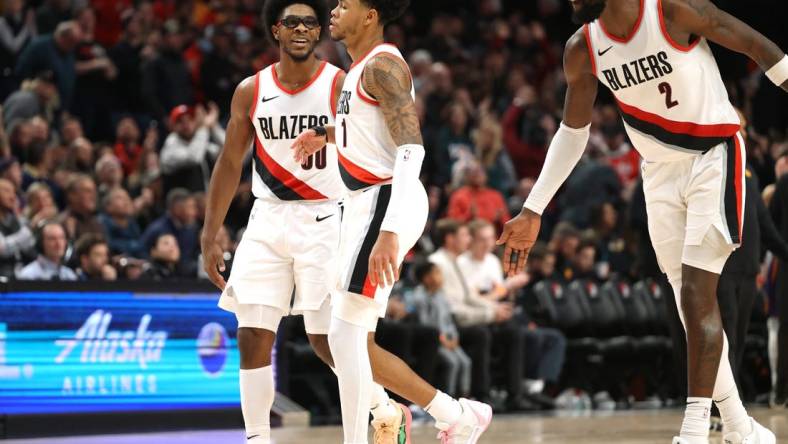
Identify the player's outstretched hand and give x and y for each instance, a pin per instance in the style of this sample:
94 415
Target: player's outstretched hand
383 270
306 144
213 262
519 235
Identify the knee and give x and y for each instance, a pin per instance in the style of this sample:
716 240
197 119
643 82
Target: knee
254 345
320 345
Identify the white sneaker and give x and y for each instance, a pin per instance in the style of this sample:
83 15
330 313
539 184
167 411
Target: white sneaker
474 420
759 435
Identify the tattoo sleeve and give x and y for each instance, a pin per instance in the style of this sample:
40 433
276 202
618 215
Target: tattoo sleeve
388 80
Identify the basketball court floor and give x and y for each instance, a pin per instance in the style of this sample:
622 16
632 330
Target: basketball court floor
636 427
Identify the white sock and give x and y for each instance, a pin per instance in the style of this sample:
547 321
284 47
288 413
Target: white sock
381 407
348 344
695 427
734 416
444 408
726 396
257 397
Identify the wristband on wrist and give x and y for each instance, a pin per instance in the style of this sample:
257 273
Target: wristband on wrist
320 130
778 73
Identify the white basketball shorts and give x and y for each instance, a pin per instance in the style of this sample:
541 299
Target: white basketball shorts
696 208
286 245
358 301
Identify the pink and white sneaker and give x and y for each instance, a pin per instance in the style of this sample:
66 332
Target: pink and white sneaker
474 420
759 435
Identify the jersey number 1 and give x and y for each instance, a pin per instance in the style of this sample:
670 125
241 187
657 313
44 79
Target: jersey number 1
667 90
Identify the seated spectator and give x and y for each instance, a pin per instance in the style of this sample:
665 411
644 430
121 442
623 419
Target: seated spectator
127 144
35 98
40 204
433 310
473 311
565 241
180 220
584 266
120 227
540 266
493 157
70 129
614 256
93 256
482 268
165 256
16 240
82 156
476 201
51 243
109 174
195 137
79 217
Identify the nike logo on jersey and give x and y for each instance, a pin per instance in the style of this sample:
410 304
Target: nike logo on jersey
321 219
268 99
601 53
250 437
636 72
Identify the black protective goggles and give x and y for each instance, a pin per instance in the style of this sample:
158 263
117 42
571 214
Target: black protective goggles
292 21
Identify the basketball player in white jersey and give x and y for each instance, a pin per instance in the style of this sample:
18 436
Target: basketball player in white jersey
380 153
654 57
292 237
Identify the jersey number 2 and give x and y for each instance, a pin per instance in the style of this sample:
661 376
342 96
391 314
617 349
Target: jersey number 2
665 88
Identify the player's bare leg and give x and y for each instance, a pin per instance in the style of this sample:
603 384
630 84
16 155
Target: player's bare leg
709 374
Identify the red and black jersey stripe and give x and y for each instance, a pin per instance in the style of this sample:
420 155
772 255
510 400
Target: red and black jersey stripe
733 199
355 177
281 182
359 279
688 135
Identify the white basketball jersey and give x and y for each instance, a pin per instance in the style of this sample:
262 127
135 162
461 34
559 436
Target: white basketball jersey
365 148
279 115
671 97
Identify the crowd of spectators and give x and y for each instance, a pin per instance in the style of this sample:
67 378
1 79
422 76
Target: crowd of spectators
113 113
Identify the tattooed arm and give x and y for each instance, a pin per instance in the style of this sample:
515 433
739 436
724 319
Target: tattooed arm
686 18
388 80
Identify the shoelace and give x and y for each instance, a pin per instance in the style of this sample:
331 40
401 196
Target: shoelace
445 437
385 434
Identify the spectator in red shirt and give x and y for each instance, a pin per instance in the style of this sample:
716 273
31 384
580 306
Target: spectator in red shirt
127 144
477 201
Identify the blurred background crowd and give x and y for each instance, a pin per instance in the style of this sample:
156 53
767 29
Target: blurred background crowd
113 113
